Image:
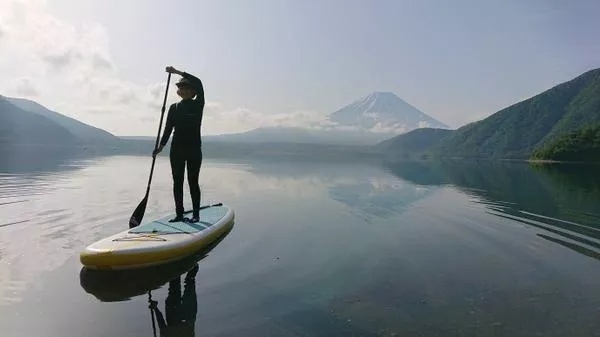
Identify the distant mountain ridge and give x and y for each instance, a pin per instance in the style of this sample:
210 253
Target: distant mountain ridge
21 127
85 133
367 121
302 136
514 132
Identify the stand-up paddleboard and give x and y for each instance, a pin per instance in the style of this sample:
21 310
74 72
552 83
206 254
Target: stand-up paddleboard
123 285
159 241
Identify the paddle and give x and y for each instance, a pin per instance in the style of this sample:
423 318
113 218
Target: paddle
204 207
138 214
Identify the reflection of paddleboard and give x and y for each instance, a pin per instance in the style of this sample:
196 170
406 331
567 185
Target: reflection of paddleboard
159 241
122 285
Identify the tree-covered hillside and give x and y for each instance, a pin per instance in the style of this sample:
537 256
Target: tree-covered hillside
579 145
413 144
516 131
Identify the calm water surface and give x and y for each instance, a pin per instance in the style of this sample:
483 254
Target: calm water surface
316 250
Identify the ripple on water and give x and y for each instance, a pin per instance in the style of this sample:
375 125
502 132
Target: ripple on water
49 214
19 185
582 238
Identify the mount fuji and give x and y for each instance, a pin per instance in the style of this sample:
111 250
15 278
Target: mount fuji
383 112
366 121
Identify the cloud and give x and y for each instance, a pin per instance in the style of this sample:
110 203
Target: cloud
217 116
26 88
394 128
228 120
424 124
74 73
70 65
101 62
60 60
308 119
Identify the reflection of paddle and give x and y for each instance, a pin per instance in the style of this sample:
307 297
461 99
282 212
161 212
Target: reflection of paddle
138 214
151 311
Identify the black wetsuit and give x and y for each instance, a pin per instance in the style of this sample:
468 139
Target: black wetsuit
185 117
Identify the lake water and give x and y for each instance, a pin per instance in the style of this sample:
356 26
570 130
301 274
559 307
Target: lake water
317 249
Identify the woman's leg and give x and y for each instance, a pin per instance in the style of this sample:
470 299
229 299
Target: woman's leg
178 170
193 170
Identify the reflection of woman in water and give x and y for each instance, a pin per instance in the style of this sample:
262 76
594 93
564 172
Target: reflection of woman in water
180 310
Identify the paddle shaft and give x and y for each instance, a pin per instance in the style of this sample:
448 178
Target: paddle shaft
162 114
138 214
205 206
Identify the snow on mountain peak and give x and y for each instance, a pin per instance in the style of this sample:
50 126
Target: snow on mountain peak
383 111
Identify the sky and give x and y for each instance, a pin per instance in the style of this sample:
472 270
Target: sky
284 62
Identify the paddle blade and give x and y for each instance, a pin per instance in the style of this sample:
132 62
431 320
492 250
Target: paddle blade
138 214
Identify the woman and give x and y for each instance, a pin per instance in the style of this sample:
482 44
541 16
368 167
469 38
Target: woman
185 118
